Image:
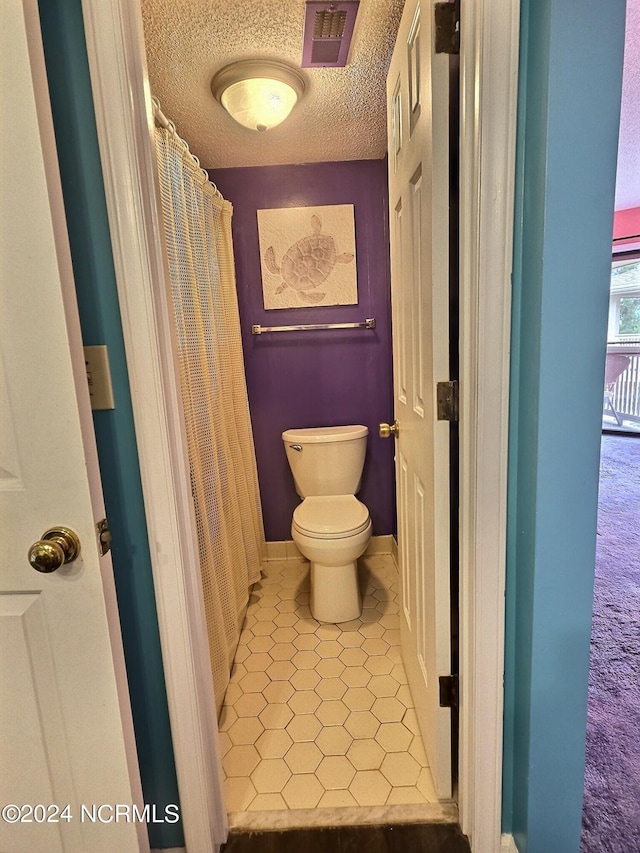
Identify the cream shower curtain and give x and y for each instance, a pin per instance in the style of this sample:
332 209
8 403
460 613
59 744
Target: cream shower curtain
224 482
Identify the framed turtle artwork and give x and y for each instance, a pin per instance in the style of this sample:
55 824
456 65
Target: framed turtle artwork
308 256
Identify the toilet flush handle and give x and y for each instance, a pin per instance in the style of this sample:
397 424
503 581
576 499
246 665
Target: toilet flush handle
296 447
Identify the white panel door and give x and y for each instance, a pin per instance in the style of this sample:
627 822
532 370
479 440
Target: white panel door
417 101
64 734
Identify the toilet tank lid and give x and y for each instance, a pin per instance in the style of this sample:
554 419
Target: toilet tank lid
313 435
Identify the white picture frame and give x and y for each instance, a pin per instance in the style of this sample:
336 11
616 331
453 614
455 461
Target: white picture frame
308 256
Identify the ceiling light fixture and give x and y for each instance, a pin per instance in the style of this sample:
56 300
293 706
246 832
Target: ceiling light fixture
258 94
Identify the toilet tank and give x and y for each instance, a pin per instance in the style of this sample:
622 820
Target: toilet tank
326 460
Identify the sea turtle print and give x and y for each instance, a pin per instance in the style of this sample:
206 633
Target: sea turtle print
307 264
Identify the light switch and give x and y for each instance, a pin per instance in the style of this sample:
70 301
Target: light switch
99 377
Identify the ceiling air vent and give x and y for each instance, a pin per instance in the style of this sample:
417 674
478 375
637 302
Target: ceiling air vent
328 28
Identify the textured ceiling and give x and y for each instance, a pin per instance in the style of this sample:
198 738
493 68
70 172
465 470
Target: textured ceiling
342 115
628 179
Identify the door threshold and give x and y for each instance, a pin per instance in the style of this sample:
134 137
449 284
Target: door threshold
389 837
445 812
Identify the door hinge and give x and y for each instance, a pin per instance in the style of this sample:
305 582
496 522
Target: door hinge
447 23
104 537
447 399
448 691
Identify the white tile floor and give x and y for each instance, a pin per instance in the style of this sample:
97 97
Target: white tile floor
317 715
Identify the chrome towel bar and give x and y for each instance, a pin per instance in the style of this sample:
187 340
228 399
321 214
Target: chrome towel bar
369 323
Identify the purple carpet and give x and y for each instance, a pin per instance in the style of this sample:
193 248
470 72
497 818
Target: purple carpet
611 812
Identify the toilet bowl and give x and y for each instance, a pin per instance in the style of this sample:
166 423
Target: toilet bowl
331 527
332 532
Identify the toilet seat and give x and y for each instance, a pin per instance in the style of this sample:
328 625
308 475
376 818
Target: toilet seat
331 516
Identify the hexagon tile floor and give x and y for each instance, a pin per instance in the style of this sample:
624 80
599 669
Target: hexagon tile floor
321 715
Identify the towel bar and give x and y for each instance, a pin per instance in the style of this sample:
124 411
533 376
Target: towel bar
369 323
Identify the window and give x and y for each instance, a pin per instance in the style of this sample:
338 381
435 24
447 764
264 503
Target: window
621 410
624 301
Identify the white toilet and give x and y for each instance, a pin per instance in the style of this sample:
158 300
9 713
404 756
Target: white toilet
331 527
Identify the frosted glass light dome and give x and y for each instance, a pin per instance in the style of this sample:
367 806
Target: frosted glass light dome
259 103
258 95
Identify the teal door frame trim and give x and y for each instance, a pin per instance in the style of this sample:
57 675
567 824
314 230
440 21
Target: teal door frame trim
81 174
569 102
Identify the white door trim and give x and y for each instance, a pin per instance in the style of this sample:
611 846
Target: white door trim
119 81
489 62
488 92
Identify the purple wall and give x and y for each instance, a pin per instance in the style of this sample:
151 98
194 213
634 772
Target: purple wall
318 378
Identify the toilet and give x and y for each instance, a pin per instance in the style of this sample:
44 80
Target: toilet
331 527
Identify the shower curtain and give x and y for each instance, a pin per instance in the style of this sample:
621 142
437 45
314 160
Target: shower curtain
224 481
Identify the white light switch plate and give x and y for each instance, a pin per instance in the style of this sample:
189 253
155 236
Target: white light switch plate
99 377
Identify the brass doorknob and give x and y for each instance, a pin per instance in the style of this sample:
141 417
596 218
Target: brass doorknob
389 429
59 545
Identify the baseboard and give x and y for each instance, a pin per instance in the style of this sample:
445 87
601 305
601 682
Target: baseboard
380 545
288 550
278 551
507 844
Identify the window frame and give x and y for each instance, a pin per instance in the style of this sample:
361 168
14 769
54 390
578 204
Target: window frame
616 294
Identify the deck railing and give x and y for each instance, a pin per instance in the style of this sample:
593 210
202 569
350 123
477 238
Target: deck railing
626 392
